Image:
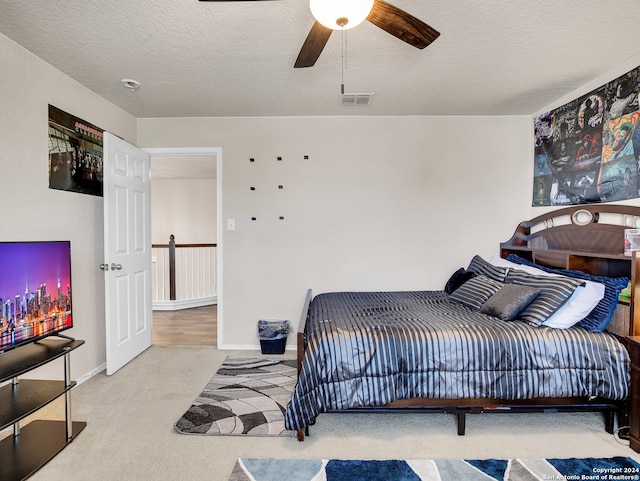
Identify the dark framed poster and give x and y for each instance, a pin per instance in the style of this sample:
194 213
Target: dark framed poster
588 150
75 154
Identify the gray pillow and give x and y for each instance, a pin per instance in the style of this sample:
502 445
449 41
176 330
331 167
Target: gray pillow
507 303
554 292
480 266
475 291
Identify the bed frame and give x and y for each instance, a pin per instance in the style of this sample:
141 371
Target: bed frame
589 238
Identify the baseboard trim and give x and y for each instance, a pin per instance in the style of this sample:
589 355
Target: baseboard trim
90 374
244 347
184 304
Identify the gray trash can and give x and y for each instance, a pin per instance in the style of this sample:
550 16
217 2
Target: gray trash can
273 335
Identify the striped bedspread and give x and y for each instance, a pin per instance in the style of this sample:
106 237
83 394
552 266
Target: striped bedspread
372 348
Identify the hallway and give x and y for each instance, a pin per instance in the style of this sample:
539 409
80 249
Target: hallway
196 326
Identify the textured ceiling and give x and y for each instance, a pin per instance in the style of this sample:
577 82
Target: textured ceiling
193 58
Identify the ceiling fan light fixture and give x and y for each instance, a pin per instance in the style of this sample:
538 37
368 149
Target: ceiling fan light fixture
340 14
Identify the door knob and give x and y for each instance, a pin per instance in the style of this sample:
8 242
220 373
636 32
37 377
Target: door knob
104 267
116 267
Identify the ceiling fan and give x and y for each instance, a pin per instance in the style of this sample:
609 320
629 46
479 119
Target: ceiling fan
388 17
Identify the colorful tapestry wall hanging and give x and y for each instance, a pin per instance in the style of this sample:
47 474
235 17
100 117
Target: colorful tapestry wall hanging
588 150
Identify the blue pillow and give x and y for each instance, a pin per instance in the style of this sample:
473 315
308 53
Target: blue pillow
458 278
599 318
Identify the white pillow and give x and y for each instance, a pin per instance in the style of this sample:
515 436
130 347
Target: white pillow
577 307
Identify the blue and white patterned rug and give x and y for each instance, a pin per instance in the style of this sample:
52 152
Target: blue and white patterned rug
596 469
245 396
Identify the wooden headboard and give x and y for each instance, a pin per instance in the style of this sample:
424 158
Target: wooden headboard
589 238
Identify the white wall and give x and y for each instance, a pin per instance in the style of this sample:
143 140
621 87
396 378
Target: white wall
185 208
31 210
382 203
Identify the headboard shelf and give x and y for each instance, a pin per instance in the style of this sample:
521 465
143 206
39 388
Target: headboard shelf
611 265
589 238
562 252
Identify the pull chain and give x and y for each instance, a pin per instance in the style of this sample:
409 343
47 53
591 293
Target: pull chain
344 58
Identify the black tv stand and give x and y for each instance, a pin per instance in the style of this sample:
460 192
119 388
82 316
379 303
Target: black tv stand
28 448
63 336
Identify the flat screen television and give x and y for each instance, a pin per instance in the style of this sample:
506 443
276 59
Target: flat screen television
35 291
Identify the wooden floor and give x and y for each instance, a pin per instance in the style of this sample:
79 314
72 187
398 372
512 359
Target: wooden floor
196 326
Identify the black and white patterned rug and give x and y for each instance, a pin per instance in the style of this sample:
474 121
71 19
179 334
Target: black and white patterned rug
245 396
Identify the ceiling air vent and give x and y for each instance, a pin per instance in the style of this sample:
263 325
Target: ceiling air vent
355 99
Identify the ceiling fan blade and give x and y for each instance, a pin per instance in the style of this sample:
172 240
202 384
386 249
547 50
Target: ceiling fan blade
401 24
313 45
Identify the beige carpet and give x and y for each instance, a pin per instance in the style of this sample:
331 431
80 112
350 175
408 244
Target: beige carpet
130 433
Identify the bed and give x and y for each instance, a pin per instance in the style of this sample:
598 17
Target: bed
482 344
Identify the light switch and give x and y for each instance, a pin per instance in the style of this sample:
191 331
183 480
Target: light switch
231 224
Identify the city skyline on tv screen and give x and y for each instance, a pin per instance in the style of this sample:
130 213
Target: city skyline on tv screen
30 264
35 290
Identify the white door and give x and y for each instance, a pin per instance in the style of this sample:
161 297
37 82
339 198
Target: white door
127 251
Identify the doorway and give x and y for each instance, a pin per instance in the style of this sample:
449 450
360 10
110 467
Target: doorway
196 326
190 171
